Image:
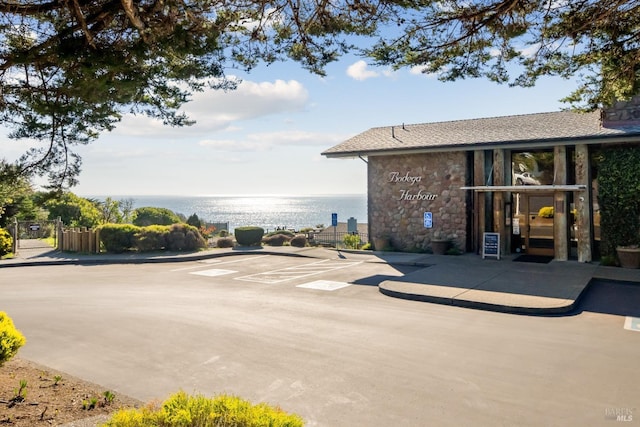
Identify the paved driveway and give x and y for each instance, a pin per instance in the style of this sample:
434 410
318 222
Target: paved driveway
299 333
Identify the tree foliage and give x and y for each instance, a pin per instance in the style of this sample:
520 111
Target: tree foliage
70 69
154 216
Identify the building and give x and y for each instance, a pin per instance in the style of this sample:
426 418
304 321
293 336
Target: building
530 179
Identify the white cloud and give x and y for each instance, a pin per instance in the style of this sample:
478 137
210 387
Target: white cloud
216 109
359 71
265 141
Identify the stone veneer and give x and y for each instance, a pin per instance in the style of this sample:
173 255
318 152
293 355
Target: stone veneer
396 179
622 112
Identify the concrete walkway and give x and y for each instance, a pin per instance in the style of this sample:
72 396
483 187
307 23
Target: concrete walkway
466 280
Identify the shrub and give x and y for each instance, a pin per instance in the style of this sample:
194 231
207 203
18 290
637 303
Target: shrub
151 238
183 237
118 237
285 232
351 241
277 239
299 241
11 339
249 236
184 410
546 212
224 242
154 216
223 233
6 242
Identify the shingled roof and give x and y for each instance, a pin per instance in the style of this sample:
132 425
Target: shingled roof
550 128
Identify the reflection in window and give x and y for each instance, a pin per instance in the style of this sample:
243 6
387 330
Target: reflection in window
532 167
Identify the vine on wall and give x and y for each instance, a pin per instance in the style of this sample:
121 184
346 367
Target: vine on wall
619 197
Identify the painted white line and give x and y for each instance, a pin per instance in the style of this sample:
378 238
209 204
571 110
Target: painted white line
219 262
212 261
289 273
213 272
324 285
632 323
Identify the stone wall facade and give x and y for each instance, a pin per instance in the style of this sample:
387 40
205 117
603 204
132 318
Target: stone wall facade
622 113
403 187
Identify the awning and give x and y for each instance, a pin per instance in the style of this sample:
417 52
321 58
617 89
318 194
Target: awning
526 188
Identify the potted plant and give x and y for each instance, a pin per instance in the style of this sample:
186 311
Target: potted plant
440 244
381 243
629 256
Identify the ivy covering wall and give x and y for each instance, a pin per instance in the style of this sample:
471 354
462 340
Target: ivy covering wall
619 197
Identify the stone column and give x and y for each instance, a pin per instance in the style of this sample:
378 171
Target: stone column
583 204
560 235
478 200
498 199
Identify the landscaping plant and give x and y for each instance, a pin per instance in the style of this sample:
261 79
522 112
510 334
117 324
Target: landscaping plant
184 410
11 339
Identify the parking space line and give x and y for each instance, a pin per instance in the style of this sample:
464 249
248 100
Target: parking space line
213 272
324 285
632 323
219 262
289 273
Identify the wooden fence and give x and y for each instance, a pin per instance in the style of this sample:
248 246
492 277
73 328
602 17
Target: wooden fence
79 240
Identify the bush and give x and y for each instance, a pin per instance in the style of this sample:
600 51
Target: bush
249 236
223 233
11 339
151 238
224 242
6 242
546 212
154 216
351 241
277 239
183 237
299 241
184 410
118 237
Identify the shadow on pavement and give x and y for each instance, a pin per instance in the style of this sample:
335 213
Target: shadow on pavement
610 297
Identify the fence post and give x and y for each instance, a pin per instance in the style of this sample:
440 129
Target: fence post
15 236
59 234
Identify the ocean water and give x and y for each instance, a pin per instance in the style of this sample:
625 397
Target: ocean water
268 212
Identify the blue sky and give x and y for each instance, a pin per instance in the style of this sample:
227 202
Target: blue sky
266 137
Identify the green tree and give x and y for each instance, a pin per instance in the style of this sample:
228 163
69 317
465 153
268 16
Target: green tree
195 221
110 210
75 211
69 70
154 216
14 189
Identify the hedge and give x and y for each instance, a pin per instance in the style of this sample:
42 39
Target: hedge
249 236
126 237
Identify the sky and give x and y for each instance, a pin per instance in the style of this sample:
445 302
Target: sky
266 137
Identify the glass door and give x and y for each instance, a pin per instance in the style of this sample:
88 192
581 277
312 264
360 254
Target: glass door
539 239
532 227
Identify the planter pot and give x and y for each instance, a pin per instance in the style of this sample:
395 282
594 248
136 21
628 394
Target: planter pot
629 257
381 243
440 247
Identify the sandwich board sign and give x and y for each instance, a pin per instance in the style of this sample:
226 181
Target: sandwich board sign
491 245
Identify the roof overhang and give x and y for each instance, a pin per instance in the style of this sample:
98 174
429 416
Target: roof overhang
512 145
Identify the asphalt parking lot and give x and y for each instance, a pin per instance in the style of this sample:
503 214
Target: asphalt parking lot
317 338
